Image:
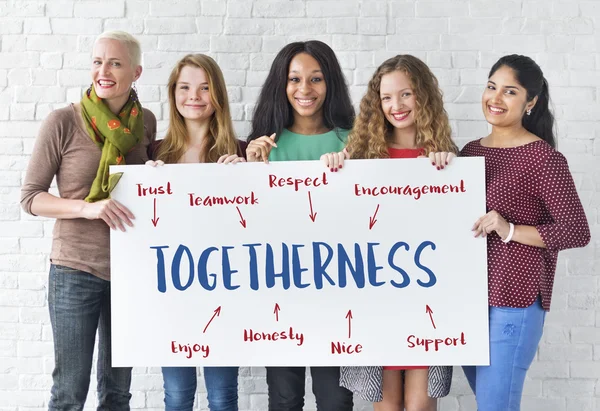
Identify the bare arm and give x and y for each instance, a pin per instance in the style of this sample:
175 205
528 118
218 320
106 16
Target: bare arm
111 211
524 234
528 235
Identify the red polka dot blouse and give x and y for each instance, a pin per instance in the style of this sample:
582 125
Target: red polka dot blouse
529 185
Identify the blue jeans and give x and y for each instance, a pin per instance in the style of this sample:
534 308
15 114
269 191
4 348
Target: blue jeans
79 304
286 389
221 387
514 336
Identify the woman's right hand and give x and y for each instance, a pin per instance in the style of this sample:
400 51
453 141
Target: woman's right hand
259 149
441 159
335 161
153 163
111 211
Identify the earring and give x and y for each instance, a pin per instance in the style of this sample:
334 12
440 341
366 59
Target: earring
133 94
529 112
89 90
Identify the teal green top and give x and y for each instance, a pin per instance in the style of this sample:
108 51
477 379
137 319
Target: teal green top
296 147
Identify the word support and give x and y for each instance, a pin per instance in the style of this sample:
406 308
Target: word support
435 343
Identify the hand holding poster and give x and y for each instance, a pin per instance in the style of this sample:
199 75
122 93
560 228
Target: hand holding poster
289 264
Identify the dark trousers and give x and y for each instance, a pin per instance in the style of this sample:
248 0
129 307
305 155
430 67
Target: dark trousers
286 389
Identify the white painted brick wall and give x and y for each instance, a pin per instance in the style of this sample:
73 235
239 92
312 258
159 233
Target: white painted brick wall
44 58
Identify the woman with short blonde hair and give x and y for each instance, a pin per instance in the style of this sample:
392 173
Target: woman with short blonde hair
78 144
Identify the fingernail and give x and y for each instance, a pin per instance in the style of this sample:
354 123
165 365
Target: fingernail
446 163
432 164
438 167
331 169
340 166
442 167
335 170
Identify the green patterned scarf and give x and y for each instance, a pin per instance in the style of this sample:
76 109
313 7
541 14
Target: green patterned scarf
115 135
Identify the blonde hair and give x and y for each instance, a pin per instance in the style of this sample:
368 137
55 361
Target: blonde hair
372 132
134 50
221 136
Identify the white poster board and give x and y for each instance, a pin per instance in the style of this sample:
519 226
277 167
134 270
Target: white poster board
290 264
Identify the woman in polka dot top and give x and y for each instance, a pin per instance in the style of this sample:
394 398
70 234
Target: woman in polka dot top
533 212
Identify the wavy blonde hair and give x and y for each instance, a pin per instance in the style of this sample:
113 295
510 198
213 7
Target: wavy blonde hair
372 132
221 135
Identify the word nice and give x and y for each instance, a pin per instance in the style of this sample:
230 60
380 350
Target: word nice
316 265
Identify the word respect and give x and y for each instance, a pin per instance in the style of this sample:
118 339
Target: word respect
315 265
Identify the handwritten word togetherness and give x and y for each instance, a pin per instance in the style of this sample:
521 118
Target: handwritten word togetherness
287 266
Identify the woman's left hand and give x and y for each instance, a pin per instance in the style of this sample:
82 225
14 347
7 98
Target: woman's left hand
489 223
230 159
441 159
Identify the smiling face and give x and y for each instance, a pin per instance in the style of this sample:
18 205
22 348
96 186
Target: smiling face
112 72
398 100
306 89
192 94
504 100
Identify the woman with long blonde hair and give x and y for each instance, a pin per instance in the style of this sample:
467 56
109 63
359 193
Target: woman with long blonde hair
200 126
402 115
200 131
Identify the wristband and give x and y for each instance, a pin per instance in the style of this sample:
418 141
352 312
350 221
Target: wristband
511 232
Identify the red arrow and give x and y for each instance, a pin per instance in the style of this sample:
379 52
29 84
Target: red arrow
312 215
276 311
242 221
429 311
373 220
217 313
349 317
155 220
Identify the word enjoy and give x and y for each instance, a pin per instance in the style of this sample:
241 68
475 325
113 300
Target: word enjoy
189 349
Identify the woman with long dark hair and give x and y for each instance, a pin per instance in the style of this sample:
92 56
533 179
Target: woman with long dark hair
305 95
533 213
303 111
